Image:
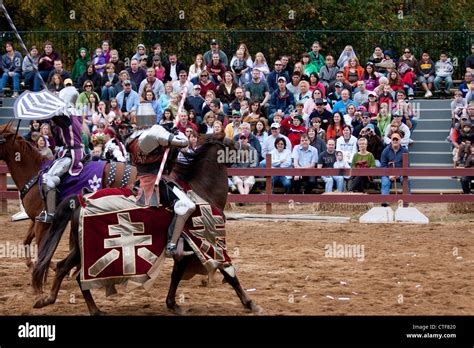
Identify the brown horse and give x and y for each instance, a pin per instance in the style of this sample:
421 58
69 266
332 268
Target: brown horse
24 163
202 173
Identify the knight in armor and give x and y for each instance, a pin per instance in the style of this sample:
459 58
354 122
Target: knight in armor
69 125
183 206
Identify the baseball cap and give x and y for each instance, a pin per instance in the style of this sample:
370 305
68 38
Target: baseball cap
213 42
319 101
244 134
127 82
298 117
372 93
282 78
366 114
370 125
196 87
338 84
140 46
68 81
467 123
275 125
395 135
236 113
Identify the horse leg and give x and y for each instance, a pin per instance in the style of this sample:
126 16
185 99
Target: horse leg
62 269
93 309
176 276
244 298
27 244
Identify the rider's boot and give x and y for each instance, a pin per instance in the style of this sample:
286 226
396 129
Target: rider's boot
47 215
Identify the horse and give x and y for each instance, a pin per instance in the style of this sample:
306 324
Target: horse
24 163
204 174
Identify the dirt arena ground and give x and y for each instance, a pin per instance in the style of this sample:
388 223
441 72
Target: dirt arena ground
406 270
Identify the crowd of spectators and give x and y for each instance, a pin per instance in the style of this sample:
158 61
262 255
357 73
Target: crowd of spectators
313 112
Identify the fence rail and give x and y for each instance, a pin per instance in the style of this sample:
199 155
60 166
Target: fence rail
273 43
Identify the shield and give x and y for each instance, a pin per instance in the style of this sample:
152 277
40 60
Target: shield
40 105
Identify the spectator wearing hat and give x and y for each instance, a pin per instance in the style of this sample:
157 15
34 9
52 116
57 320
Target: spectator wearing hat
339 78
365 121
233 127
327 73
140 53
362 95
269 143
304 156
372 105
293 125
173 68
396 126
281 99
272 78
137 74
248 159
80 65
334 97
68 82
195 102
392 157
245 127
281 158
322 113
215 49
128 100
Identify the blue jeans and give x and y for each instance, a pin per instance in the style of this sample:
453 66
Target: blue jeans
16 81
387 184
108 93
447 79
284 180
329 180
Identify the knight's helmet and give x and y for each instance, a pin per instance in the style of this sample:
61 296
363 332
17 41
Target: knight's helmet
69 95
146 116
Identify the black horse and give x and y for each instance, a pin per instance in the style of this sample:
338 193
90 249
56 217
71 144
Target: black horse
205 176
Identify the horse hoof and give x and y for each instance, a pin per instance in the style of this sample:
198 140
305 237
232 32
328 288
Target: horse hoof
176 309
43 302
256 308
98 313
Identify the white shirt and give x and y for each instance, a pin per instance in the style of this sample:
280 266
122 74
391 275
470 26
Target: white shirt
173 74
115 150
349 149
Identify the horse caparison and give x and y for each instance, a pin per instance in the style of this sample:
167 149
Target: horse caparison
24 162
202 173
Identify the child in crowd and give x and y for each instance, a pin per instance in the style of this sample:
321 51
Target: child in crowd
341 163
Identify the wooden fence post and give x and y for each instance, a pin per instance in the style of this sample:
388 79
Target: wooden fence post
268 183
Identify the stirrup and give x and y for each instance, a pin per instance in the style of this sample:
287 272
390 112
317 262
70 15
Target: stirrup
171 249
45 217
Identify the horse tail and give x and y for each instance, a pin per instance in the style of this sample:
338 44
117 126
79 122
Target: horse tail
49 244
